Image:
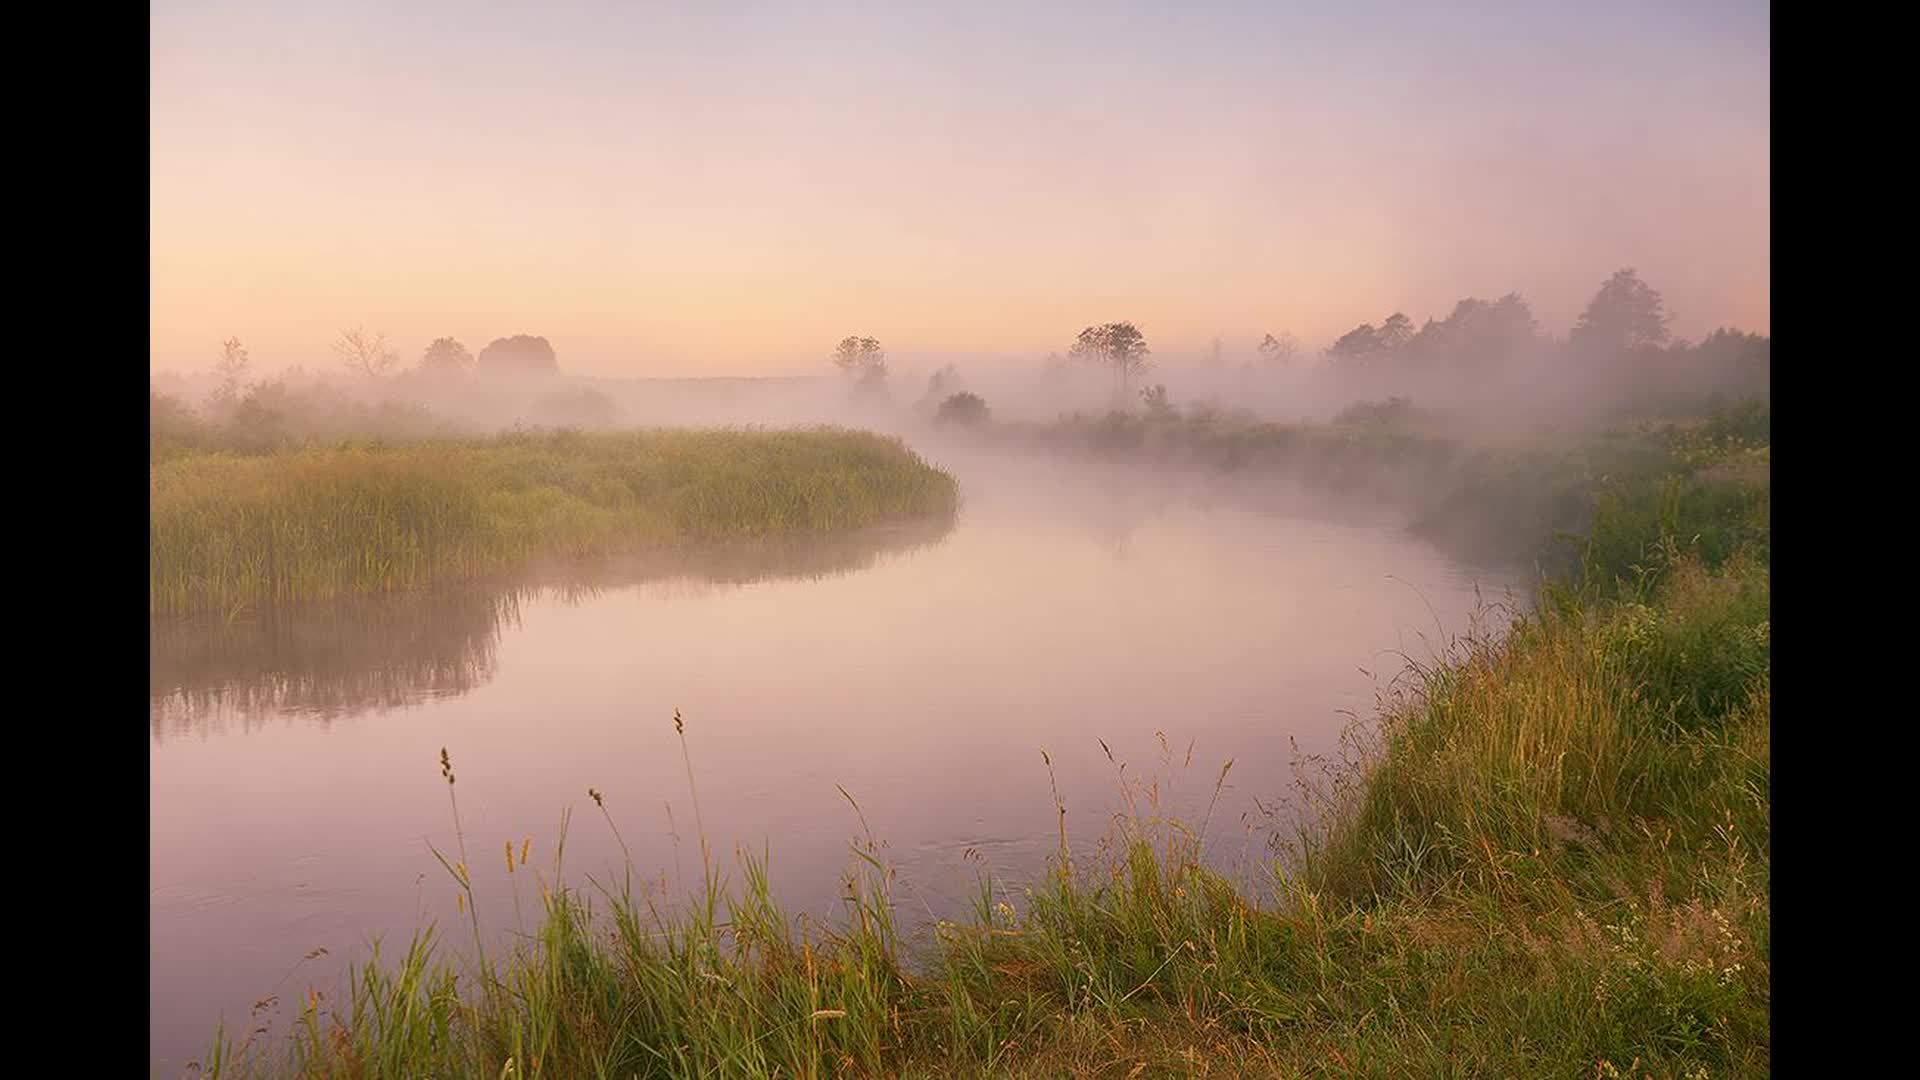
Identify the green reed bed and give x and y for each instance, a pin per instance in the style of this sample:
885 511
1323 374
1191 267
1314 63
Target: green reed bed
1547 856
231 530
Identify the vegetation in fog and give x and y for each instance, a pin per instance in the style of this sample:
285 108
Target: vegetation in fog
863 363
1119 347
365 355
446 355
1279 352
521 352
229 531
963 409
1550 856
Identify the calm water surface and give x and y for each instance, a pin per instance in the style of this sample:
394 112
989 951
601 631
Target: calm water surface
295 783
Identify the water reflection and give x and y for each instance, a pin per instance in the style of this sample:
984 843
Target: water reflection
346 658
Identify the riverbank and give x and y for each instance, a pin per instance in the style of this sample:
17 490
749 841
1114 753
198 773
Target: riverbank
1503 494
233 530
1551 857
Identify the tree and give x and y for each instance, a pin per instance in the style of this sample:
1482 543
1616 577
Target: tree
1356 345
1119 346
1279 351
1159 406
861 359
962 409
521 352
170 422
364 354
1478 332
446 354
1736 361
1626 315
1395 332
1365 344
232 369
941 385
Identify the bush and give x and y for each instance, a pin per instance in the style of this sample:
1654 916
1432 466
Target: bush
963 409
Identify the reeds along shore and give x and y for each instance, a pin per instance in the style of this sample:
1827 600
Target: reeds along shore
1549 856
229 531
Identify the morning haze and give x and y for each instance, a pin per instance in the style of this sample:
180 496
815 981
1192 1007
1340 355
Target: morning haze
829 540
664 190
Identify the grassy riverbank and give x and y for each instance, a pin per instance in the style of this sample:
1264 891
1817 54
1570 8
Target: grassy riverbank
1502 494
230 530
1550 858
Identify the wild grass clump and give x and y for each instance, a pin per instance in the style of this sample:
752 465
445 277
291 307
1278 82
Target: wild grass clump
229 531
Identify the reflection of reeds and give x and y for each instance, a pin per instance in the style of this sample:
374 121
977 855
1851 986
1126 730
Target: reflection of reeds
339 658
326 661
228 533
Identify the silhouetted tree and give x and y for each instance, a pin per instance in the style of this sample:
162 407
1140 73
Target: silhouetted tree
1159 406
1478 332
941 385
446 354
1626 315
365 354
1396 331
1366 345
862 361
1279 351
1358 345
521 352
1119 346
232 369
963 409
1735 362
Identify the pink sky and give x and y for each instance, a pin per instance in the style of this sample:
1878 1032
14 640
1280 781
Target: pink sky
663 190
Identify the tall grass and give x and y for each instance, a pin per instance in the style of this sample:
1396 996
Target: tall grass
1550 857
228 531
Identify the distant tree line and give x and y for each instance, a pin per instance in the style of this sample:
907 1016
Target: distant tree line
1625 322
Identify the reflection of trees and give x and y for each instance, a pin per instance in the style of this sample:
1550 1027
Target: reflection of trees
339 659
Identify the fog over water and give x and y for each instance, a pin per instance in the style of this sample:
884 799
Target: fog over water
295 784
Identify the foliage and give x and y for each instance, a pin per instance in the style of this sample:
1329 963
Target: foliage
521 352
1120 347
363 354
446 355
964 410
304 524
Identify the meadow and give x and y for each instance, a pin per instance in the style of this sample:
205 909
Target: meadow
1547 855
233 530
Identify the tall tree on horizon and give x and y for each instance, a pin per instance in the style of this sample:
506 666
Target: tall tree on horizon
1276 352
1626 315
861 359
364 354
231 368
1119 346
446 354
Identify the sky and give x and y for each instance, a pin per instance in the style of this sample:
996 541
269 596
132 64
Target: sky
729 188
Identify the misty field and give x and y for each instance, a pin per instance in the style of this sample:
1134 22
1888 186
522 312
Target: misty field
1549 855
232 530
